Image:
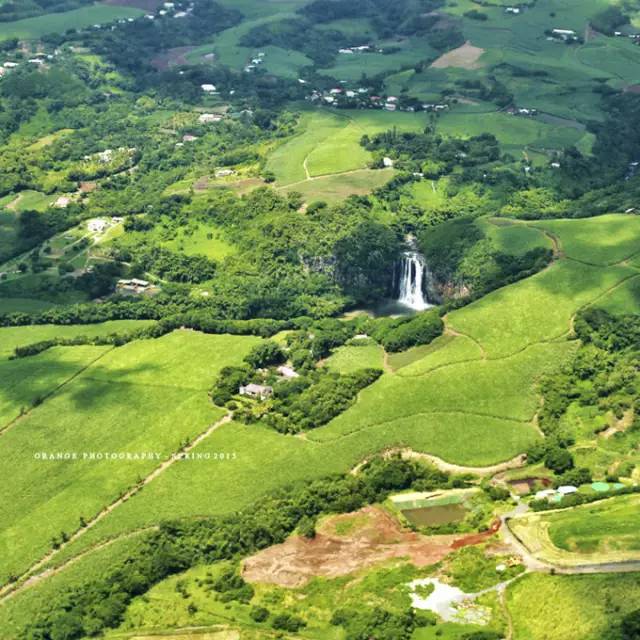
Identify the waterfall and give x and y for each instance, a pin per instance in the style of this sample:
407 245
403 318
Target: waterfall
412 280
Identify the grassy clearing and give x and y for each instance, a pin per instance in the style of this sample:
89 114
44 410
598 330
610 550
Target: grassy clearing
329 142
335 188
145 397
31 28
591 606
515 239
353 357
31 201
604 240
611 525
204 240
409 52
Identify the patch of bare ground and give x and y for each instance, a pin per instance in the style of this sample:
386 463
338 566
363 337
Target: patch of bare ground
145 5
88 187
349 542
465 57
201 184
619 425
175 57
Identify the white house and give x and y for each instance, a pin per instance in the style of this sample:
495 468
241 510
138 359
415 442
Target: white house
256 391
208 88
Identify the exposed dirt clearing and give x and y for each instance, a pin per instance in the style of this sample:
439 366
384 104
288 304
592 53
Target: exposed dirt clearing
465 57
347 543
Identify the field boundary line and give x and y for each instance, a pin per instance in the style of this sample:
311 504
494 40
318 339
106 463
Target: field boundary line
436 412
18 418
54 570
8 589
409 453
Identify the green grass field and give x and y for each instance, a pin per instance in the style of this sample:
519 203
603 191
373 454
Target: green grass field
26 305
147 396
514 133
601 241
334 188
351 358
328 142
12 337
587 607
611 525
193 242
30 28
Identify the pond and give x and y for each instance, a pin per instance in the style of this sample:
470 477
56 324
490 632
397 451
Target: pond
435 515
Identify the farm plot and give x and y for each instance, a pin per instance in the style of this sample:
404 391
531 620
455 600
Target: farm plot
27 381
142 400
609 526
329 143
591 605
602 241
537 309
30 28
514 133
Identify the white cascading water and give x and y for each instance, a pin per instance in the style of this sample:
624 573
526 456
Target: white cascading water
411 281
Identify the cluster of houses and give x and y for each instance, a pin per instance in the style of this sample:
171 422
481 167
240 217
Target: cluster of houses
634 36
38 60
262 391
562 35
255 62
176 10
341 97
513 10
365 48
100 225
107 155
522 111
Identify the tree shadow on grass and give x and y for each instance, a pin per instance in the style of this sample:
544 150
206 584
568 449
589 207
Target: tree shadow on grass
30 381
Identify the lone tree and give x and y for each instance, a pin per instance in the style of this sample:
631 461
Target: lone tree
265 354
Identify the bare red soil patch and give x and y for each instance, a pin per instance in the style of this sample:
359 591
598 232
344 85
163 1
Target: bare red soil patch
145 5
349 542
